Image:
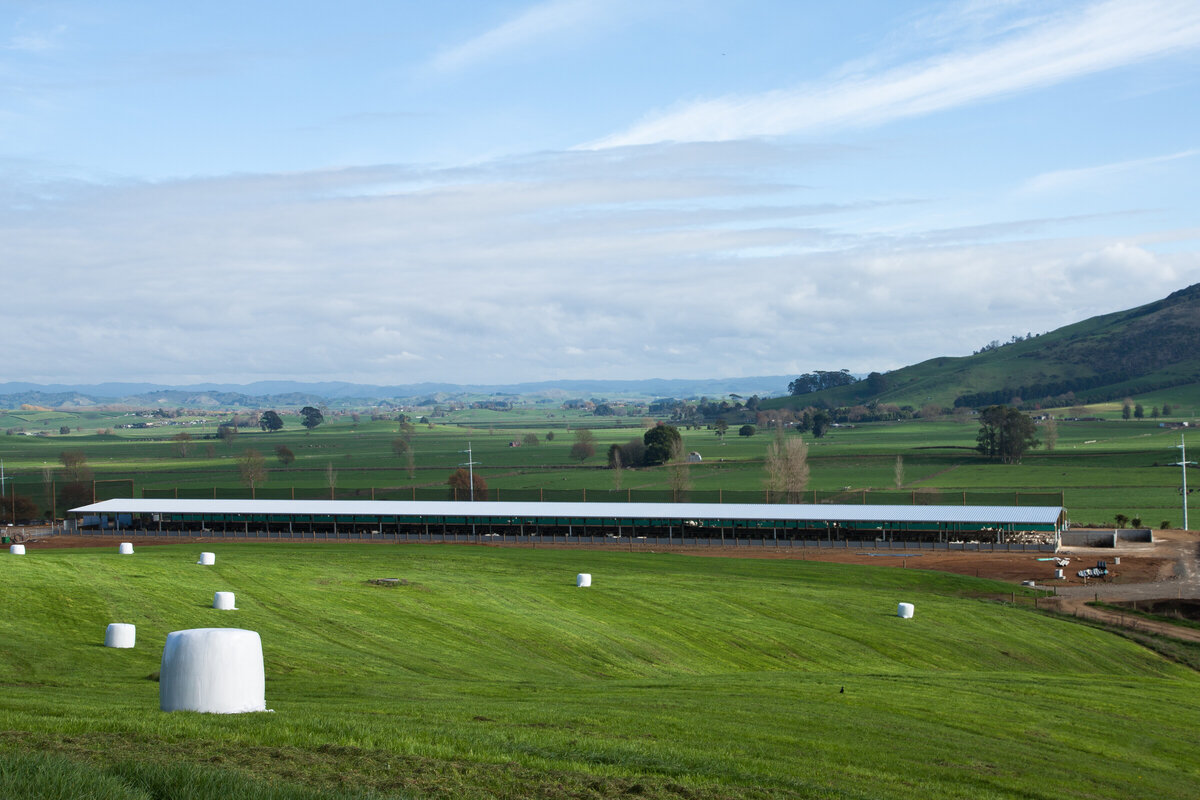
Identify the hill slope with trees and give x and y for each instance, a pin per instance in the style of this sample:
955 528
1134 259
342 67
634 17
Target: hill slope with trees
1104 358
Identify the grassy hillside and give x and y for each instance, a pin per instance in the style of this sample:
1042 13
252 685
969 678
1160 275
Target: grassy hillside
1125 353
489 675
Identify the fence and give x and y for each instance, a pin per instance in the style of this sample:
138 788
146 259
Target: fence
461 536
53 498
815 497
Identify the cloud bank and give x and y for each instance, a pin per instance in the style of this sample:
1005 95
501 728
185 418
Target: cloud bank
559 265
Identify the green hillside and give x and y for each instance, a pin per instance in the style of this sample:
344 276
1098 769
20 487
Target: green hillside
488 674
1149 348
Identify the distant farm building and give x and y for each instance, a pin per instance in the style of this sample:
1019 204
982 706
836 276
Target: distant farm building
933 527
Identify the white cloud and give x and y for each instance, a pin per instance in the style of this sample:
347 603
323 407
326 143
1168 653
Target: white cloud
546 19
1047 51
1073 178
574 265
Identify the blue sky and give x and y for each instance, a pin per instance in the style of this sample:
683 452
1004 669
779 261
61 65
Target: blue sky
512 191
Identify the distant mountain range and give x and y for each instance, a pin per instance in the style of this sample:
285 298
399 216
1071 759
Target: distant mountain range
1109 357
294 394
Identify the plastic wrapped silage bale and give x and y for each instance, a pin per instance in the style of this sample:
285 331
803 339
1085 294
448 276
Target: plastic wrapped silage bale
212 670
120 634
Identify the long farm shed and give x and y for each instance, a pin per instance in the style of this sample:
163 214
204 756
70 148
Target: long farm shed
674 521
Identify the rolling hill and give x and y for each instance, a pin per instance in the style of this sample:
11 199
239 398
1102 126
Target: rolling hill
1126 353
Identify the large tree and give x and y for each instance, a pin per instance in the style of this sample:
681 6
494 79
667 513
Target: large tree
787 468
678 473
660 441
285 455
460 485
820 379
1005 433
252 467
270 422
17 509
631 454
585 445
820 423
311 417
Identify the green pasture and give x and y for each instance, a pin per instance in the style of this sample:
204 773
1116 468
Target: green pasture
488 674
1102 467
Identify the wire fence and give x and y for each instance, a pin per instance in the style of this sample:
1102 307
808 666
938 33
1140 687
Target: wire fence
52 499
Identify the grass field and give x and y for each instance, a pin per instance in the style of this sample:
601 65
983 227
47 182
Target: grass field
1102 468
490 675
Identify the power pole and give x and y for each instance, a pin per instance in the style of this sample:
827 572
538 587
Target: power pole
1183 465
470 465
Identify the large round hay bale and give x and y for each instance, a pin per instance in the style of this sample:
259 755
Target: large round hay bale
223 601
212 670
207 559
126 548
583 579
904 610
16 549
120 634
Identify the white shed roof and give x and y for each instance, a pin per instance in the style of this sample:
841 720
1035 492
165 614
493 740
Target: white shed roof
977 515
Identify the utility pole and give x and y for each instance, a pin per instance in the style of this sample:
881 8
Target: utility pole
470 465
2 478
1183 465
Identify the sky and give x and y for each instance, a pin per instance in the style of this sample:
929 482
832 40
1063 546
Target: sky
498 192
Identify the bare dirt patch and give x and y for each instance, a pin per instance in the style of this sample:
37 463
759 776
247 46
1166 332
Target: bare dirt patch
1145 565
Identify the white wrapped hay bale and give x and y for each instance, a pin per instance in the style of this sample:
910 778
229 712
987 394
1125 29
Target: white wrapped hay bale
17 549
212 670
120 634
583 579
207 559
126 548
223 601
904 610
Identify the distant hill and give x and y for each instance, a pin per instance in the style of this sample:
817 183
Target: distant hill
293 394
1144 349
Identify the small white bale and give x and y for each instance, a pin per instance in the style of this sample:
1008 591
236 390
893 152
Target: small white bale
904 610
212 670
126 548
120 634
583 579
223 601
207 559
17 549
